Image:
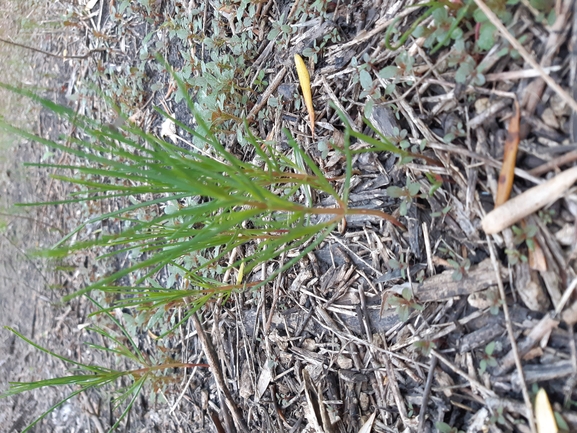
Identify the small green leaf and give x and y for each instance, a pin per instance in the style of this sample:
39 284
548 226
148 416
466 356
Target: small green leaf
551 17
448 138
171 207
395 192
479 16
542 5
272 102
443 427
414 188
457 34
453 263
407 294
486 39
308 52
561 423
531 231
419 31
390 89
482 366
389 72
478 80
365 79
490 348
392 301
273 33
403 208
369 107
403 313
517 230
463 72
324 148
440 15
459 45
502 52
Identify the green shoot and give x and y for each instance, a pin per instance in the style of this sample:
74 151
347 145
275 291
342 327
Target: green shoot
403 304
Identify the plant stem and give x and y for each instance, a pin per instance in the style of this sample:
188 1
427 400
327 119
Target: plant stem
339 211
47 53
164 367
378 213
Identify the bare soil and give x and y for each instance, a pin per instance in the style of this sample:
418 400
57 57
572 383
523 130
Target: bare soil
30 290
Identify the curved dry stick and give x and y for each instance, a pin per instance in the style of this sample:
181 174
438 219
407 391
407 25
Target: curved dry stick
427 393
507 173
514 349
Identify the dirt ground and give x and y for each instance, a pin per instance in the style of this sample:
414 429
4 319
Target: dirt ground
29 292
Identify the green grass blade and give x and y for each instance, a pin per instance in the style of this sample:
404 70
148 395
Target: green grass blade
91 368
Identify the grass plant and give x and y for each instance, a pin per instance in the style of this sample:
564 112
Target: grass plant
211 203
85 377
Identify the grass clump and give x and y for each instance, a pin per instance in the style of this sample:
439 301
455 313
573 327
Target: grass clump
213 207
212 202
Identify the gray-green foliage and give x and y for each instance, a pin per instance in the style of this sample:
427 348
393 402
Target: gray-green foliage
464 29
214 47
446 428
404 304
407 194
487 358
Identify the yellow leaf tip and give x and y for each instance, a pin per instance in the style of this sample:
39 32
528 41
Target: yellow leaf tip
305 82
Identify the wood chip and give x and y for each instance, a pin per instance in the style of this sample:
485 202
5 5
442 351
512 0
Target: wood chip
442 286
484 298
530 289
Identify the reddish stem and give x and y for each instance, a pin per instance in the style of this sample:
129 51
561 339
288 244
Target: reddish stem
141 371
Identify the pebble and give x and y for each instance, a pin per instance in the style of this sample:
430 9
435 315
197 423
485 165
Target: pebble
481 105
483 299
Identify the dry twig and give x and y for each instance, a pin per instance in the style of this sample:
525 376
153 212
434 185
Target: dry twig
528 202
511 333
212 360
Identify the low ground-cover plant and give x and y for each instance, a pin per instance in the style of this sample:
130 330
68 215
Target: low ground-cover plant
403 304
462 26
